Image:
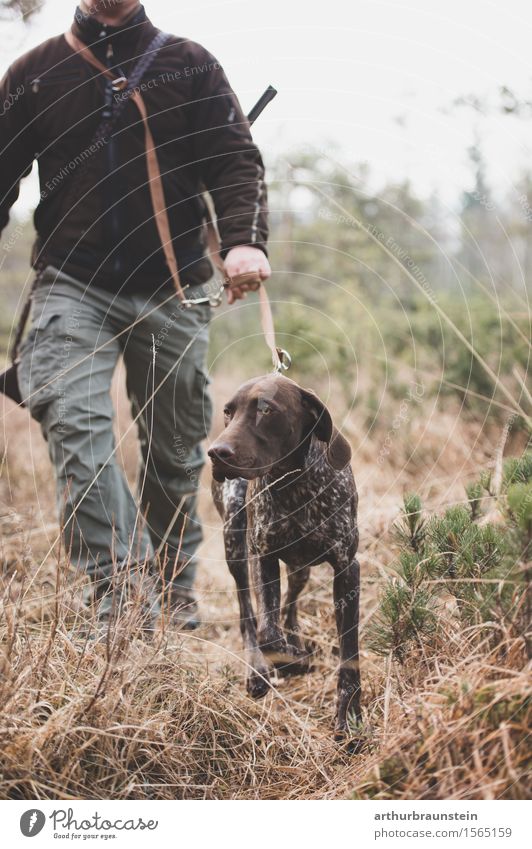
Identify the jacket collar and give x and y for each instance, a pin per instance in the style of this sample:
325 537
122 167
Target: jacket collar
127 34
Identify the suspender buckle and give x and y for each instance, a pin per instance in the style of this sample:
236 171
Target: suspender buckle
119 84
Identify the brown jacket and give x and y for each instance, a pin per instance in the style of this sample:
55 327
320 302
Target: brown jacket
100 228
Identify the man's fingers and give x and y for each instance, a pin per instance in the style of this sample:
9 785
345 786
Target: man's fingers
234 293
248 279
246 267
239 283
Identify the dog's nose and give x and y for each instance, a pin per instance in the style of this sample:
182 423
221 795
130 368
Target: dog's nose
221 451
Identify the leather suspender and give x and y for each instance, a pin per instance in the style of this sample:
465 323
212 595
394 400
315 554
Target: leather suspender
154 173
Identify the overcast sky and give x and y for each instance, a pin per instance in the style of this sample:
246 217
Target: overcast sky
376 78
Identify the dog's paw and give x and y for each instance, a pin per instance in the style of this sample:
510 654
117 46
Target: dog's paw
350 733
352 745
257 685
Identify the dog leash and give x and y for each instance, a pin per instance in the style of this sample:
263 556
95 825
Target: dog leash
281 359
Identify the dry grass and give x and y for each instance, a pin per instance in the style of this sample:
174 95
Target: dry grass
169 718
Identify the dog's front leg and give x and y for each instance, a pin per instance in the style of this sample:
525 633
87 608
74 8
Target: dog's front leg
257 676
346 603
267 582
272 641
297 580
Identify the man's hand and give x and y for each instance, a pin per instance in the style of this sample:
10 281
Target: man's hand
246 267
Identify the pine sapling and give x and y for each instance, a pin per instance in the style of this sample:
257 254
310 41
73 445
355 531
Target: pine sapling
409 530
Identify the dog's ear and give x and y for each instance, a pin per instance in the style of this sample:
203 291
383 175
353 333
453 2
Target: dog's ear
338 448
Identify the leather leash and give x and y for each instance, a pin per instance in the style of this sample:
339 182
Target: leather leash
281 359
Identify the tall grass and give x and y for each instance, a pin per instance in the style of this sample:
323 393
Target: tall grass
446 691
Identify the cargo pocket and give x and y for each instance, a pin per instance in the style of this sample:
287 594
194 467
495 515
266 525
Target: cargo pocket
40 362
195 415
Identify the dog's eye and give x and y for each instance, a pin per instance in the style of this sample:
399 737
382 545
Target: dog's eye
263 408
227 414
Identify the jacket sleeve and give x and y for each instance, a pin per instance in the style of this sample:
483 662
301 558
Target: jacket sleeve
17 150
227 159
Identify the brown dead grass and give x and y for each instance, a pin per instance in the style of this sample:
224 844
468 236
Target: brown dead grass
169 718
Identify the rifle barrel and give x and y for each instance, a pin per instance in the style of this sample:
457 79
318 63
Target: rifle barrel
261 104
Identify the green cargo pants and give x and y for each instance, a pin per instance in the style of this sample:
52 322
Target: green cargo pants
67 363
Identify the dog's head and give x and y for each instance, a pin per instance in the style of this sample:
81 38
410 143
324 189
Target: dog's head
268 426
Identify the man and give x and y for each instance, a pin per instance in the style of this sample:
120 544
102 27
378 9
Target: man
104 287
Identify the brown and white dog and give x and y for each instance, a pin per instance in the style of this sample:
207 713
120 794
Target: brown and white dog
285 491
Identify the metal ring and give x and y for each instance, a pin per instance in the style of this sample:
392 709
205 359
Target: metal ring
283 361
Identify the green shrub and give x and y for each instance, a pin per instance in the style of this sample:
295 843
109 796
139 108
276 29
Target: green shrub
406 617
475 493
519 498
478 565
409 530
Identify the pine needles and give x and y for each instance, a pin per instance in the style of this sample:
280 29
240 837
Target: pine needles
456 556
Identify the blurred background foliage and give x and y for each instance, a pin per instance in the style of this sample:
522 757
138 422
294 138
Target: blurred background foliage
362 279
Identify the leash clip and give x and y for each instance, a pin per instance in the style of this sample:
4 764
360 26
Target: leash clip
216 299
281 360
213 300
